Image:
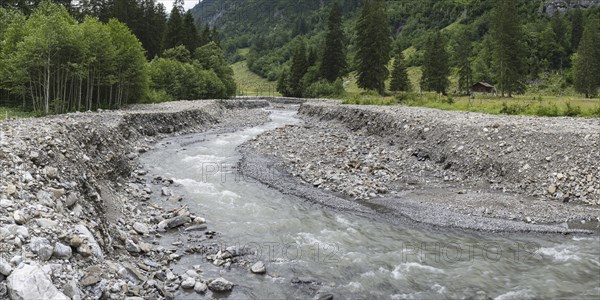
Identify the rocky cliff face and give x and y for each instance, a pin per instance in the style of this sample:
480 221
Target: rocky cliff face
554 6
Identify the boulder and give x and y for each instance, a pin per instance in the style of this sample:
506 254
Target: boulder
188 283
81 229
62 251
220 285
30 282
5 268
200 287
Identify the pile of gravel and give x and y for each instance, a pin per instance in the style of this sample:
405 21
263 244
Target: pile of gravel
74 220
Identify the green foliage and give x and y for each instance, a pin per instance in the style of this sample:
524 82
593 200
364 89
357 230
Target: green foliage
157 96
57 65
324 88
462 54
587 61
333 64
210 57
435 67
179 53
547 110
508 47
572 110
373 42
185 81
400 81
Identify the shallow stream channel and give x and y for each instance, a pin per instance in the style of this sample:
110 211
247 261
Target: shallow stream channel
311 251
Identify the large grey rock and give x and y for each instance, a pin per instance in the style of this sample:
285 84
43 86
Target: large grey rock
72 290
91 241
29 282
188 283
200 287
45 198
62 251
71 199
220 285
5 268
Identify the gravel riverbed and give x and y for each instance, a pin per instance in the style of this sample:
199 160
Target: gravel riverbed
75 217
455 169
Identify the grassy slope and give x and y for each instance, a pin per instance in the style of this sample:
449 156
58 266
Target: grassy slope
9 112
249 83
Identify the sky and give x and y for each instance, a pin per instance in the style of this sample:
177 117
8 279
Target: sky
187 4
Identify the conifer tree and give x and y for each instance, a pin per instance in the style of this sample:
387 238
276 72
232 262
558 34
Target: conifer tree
435 66
191 38
333 63
577 23
400 81
507 44
298 70
463 49
174 35
587 63
373 41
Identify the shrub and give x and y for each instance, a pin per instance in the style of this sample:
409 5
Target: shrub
596 112
157 96
572 111
547 110
324 88
513 109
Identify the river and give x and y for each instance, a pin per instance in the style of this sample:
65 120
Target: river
350 256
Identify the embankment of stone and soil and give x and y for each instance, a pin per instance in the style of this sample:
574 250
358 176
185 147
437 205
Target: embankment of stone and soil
73 222
455 169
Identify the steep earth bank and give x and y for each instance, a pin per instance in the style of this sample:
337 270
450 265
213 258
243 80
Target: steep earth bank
73 218
445 168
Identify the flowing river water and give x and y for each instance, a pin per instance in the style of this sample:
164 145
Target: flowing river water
350 256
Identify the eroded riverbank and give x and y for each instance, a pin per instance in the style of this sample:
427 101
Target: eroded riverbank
450 169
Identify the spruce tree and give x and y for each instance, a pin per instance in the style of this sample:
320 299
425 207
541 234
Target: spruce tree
577 23
587 64
400 81
205 36
175 30
298 70
508 48
463 49
373 42
435 65
333 63
192 39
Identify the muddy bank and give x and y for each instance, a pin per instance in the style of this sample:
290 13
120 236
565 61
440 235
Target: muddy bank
454 169
73 216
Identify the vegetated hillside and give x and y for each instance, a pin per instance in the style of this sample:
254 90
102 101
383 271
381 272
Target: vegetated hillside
271 27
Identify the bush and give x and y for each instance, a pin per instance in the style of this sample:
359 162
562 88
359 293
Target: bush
596 112
547 110
324 88
157 96
572 111
406 97
513 109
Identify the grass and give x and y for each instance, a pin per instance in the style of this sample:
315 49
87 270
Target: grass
10 112
249 83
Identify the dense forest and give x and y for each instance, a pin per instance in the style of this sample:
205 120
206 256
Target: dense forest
518 46
60 56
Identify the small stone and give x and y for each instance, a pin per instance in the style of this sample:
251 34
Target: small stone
140 228
56 193
46 223
85 250
51 172
166 192
199 220
62 251
200 227
560 176
220 285
552 189
549 158
188 283
200 287
132 247
258 268
75 241
45 252
10 189
16 261
19 217
90 279
71 199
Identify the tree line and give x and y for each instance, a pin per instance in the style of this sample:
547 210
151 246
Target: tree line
499 48
51 62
